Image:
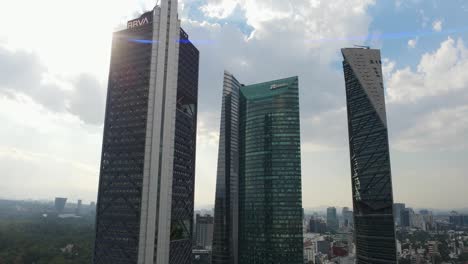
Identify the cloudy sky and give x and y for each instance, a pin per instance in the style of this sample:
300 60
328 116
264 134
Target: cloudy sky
54 61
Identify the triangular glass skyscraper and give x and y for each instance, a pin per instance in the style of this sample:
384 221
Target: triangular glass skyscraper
370 157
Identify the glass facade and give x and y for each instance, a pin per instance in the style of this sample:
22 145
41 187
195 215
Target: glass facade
258 206
123 149
225 235
332 219
127 137
183 181
270 197
370 158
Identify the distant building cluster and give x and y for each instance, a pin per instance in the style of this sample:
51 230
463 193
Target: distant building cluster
60 204
332 219
201 256
72 210
408 218
348 219
423 247
203 238
317 225
329 248
425 237
329 238
457 219
204 232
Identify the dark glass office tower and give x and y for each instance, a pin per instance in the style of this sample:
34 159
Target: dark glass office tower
398 208
332 219
265 200
226 222
270 180
146 184
370 157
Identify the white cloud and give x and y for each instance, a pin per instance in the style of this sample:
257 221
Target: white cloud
24 155
44 153
207 157
325 131
301 20
22 73
437 25
406 3
70 37
433 98
424 18
412 43
444 129
438 73
388 67
220 8
207 131
305 35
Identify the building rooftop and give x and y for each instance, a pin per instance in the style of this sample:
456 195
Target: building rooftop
268 89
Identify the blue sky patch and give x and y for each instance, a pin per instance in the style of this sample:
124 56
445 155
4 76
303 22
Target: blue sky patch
238 18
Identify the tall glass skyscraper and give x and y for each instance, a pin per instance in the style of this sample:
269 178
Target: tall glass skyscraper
258 210
226 222
146 184
332 219
398 208
370 157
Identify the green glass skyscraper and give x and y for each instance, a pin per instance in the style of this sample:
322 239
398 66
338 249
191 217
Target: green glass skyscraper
258 207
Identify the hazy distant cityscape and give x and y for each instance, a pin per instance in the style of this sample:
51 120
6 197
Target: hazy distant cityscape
423 236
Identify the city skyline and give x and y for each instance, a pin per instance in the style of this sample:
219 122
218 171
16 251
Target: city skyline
427 146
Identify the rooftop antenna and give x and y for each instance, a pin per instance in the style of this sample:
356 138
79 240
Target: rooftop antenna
364 47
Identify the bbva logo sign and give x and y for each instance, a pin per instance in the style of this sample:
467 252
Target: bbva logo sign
138 22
